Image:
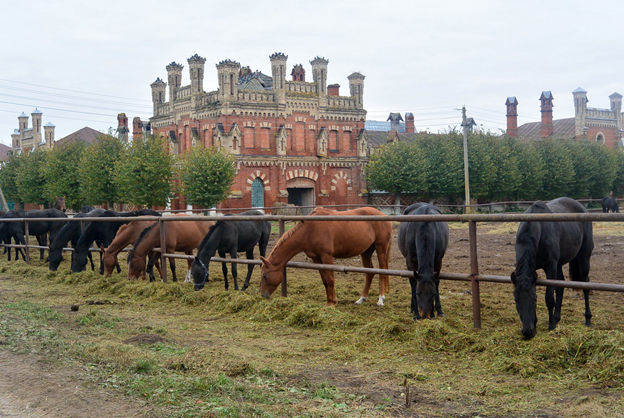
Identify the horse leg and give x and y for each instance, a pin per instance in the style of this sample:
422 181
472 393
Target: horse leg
234 254
438 305
579 272
367 261
225 271
172 266
90 257
250 269
328 279
383 257
189 263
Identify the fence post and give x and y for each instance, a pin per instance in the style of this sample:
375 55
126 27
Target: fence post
474 272
163 249
282 229
26 241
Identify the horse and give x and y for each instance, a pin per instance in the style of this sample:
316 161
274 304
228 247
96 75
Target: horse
231 237
70 233
548 245
610 204
323 241
126 235
103 234
38 228
59 204
423 244
6 240
180 236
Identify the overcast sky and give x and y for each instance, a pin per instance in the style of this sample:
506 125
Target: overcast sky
82 62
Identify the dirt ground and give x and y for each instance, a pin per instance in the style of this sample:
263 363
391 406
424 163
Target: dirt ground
30 387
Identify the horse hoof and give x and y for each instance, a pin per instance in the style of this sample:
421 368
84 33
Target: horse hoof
381 300
361 300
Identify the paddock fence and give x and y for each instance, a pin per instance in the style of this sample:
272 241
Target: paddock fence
474 277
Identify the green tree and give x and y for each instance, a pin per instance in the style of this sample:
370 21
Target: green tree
602 178
61 174
31 182
558 168
206 175
531 168
445 164
144 172
481 165
505 161
398 168
618 182
96 170
10 171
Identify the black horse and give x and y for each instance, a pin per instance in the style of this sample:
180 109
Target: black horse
231 237
38 228
70 233
423 244
610 204
103 233
548 246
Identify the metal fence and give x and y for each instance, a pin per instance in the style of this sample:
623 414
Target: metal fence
474 277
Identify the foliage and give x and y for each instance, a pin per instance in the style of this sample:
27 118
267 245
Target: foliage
60 173
31 182
96 170
206 175
531 169
445 158
144 172
11 169
618 182
398 167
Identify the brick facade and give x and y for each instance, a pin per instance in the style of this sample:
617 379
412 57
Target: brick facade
294 141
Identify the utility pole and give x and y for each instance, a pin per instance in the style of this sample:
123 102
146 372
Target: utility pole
466 124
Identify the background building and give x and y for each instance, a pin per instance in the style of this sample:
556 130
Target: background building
26 138
295 141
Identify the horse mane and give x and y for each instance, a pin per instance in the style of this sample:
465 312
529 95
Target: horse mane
143 234
528 251
211 230
288 234
122 227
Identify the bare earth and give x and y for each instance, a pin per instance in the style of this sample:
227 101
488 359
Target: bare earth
29 387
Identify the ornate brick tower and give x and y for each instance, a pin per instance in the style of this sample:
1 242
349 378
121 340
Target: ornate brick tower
512 116
23 122
158 93
228 71
137 128
36 121
580 112
356 88
196 69
122 127
410 128
298 73
48 130
546 129
319 74
616 108
174 76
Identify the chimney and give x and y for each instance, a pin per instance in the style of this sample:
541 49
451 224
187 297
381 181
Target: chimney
512 116
409 123
122 127
333 90
395 121
137 128
547 114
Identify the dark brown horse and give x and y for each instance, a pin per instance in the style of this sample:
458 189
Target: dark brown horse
323 241
180 236
126 235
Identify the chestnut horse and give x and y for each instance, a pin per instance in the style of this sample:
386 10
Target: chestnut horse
180 236
326 240
126 235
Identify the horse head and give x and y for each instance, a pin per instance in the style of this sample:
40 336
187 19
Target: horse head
136 265
55 259
271 277
200 274
525 295
79 261
426 290
109 260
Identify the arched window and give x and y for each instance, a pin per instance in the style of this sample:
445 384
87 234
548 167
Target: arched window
600 138
257 193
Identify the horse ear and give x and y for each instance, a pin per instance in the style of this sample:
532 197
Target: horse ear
102 249
265 261
513 277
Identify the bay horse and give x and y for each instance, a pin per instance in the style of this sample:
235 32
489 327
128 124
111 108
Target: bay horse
231 237
126 235
548 245
610 204
323 241
70 232
423 244
179 236
103 233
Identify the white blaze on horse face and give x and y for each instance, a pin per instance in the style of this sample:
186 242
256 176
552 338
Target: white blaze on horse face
361 300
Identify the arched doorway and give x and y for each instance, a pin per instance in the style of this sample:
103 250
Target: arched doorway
257 193
301 193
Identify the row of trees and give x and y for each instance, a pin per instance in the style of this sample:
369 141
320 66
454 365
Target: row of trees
431 167
142 173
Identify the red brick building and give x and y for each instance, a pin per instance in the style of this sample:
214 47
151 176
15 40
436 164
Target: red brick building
593 124
295 141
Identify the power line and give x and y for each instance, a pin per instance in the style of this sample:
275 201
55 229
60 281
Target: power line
65 103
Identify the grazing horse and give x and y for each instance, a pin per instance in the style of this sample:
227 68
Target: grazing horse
548 245
40 229
323 241
179 236
610 204
70 233
231 237
103 233
126 235
423 244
